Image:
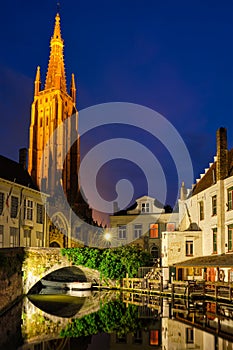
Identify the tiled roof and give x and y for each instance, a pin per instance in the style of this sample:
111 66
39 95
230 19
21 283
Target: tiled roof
13 171
208 179
223 260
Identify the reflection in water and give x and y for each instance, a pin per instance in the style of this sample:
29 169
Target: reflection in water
105 320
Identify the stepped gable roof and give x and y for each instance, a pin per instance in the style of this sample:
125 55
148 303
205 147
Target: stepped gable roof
15 172
209 178
223 260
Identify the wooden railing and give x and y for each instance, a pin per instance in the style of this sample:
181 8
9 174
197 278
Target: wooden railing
192 288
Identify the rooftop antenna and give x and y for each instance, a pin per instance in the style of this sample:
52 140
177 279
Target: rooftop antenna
58 6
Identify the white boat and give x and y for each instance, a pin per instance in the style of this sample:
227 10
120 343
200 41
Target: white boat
79 293
78 285
53 284
66 285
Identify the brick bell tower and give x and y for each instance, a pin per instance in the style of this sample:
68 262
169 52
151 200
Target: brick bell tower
52 105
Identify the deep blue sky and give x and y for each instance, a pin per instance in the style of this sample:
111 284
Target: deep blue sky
172 56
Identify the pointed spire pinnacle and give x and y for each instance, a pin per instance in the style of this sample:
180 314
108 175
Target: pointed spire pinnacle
37 82
73 88
56 60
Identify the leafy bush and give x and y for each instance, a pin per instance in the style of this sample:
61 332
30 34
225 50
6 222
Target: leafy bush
112 263
112 317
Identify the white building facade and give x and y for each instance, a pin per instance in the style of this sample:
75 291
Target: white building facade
23 221
205 214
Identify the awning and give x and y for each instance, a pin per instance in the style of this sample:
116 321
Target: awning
223 260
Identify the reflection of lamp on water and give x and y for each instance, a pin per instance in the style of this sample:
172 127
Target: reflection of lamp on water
107 237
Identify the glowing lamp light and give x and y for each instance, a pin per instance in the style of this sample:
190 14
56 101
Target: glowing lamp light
107 236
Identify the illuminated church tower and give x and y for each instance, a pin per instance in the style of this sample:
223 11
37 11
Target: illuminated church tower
51 106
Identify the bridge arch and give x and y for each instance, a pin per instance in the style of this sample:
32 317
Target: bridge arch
38 263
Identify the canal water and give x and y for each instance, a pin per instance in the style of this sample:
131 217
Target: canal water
102 320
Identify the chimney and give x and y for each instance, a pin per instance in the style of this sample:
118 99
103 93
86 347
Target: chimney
222 154
183 192
23 157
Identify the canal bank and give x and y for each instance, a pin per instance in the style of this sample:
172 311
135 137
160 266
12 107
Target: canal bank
180 289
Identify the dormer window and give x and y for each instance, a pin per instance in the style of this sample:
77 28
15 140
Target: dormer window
145 207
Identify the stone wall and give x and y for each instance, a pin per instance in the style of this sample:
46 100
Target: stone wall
10 328
11 287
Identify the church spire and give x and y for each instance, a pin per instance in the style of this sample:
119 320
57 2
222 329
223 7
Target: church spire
37 82
56 64
73 88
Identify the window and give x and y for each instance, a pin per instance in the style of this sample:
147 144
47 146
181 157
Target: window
215 240
230 235
137 230
137 337
231 276
201 210
122 232
189 248
155 252
1 236
1 202
145 207
189 336
170 227
230 198
14 206
28 209
13 237
214 205
39 213
27 238
39 239
154 230
154 337
121 339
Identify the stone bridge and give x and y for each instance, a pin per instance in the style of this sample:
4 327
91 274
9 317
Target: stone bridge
39 262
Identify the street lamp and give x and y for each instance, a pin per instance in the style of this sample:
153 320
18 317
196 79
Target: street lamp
107 237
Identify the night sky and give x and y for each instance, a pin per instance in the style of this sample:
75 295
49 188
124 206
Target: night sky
172 56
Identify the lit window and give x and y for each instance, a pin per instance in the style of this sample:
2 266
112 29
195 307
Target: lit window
154 230
201 210
1 236
230 198
27 238
122 232
13 237
14 206
215 240
214 205
189 248
137 230
170 227
1 202
230 235
28 209
145 207
39 213
154 337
